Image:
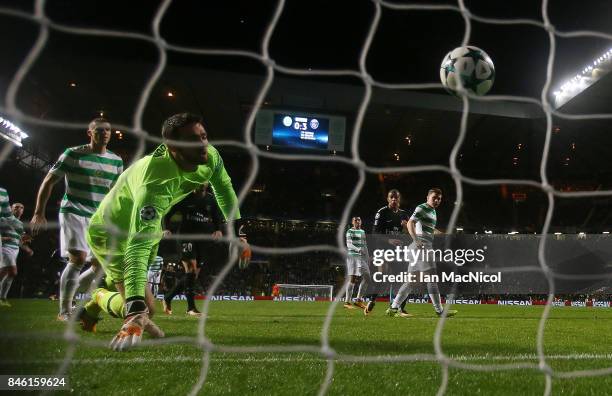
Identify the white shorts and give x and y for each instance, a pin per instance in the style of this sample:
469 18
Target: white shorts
72 234
357 266
154 278
9 257
421 265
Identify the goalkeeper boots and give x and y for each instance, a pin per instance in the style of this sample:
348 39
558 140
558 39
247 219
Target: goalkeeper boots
88 322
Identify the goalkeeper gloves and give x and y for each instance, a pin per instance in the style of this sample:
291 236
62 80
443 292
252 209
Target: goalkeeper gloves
134 324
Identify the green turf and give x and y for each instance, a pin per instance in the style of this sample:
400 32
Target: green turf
485 335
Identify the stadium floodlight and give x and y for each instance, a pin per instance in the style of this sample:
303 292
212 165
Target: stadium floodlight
459 229
587 77
606 232
488 232
11 132
558 233
513 232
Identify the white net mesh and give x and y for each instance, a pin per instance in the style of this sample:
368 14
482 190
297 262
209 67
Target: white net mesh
325 350
306 291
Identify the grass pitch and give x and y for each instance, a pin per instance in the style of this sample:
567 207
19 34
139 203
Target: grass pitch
576 339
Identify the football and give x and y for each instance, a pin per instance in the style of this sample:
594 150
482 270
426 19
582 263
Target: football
469 66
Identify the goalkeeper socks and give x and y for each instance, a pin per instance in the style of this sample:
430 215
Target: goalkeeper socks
110 302
92 307
68 285
434 295
5 286
85 279
189 283
349 292
402 295
363 286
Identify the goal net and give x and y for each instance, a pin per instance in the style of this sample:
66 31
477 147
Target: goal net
26 106
318 292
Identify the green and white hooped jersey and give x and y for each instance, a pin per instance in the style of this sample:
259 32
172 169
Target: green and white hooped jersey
12 228
89 177
5 207
157 264
355 242
425 218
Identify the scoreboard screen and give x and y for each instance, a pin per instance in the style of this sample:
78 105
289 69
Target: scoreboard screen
300 130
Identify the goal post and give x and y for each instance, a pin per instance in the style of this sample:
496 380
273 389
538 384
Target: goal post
316 291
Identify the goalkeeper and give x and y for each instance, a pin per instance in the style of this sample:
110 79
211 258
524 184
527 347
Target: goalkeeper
127 226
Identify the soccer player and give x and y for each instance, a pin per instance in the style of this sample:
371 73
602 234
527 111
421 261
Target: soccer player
154 274
200 214
5 209
126 228
390 220
356 264
89 172
13 238
422 227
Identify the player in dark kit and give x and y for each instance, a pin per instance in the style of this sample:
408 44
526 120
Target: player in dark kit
200 215
390 220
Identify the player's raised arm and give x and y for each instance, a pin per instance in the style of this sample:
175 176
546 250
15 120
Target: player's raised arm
217 219
222 186
39 218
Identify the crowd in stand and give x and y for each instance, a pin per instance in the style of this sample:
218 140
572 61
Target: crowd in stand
39 274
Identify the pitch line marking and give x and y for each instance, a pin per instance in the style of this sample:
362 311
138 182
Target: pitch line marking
189 359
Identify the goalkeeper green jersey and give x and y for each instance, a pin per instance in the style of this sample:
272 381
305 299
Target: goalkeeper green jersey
127 226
